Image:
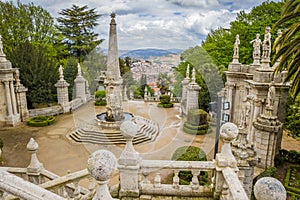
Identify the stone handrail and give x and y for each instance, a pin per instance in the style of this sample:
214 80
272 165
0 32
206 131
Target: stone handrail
157 188
12 184
232 182
60 185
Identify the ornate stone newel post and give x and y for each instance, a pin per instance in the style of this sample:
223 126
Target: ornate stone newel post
35 167
101 165
129 162
62 91
192 93
225 158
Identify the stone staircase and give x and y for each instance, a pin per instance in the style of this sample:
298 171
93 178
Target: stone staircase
147 132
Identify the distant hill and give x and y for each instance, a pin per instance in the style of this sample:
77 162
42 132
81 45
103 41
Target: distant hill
146 53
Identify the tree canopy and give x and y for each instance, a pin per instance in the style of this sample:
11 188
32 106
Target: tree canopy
219 43
77 26
288 45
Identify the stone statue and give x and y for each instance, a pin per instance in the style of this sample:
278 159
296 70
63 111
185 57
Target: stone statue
267 44
236 45
109 114
256 46
1 45
79 70
61 73
245 114
271 95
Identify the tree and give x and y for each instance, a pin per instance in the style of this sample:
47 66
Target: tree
219 43
23 23
77 24
70 73
37 72
94 63
288 45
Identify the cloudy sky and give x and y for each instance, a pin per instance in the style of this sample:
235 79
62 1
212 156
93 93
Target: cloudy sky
161 24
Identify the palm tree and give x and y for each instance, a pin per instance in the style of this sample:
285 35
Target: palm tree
288 45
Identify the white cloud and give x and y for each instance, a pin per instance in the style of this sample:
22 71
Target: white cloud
158 23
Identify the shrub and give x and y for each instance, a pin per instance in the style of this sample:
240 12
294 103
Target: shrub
197 122
164 99
291 156
197 117
190 153
100 98
100 94
41 121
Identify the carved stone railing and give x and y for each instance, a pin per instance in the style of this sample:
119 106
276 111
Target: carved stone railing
65 186
156 187
14 187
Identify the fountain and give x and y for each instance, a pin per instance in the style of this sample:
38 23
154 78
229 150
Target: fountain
113 82
107 130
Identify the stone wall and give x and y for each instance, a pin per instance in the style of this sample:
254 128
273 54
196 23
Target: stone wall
49 111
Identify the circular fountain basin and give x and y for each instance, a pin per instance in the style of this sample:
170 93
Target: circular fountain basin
112 124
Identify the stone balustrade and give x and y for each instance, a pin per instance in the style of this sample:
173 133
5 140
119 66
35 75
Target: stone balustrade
156 99
156 187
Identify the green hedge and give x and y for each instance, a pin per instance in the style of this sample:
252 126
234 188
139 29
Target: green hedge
195 130
165 105
41 121
197 117
100 103
164 99
293 191
291 156
190 153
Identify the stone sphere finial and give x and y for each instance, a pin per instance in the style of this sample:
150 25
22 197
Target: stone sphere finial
113 15
129 129
229 131
32 145
101 164
269 188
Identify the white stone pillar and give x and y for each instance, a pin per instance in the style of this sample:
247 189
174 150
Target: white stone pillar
129 162
8 98
13 98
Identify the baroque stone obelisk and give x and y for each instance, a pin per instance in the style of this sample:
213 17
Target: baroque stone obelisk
113 82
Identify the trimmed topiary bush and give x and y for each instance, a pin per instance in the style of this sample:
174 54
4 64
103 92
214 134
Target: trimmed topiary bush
197 117
100 98
190 153
165 101
197 122
41 121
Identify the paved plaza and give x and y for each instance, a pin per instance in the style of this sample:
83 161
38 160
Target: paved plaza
59 154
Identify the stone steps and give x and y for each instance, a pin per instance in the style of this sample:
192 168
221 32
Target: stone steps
147 132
